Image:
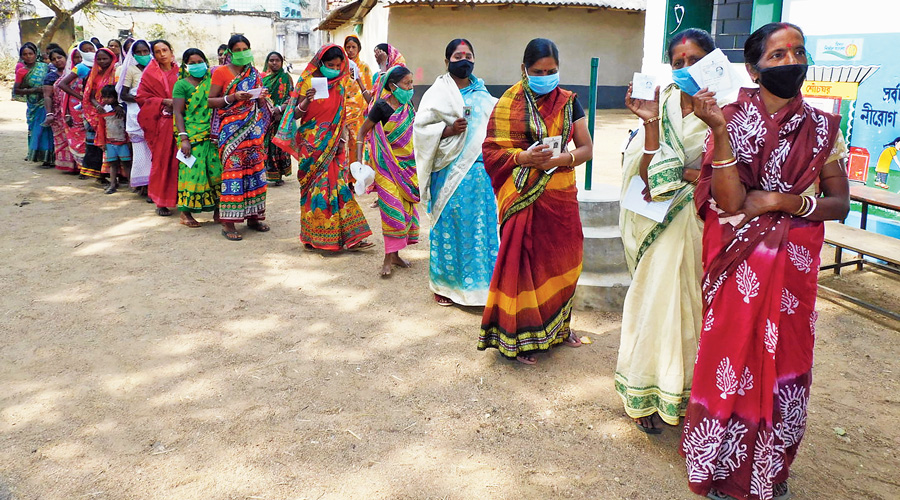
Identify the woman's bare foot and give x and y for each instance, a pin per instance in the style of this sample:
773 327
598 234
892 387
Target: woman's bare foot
399 261
442 301
572 340
188 220
386 269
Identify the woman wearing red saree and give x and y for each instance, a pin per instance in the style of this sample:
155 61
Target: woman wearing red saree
155 118
53 102
529 304
242 123
330 217
761 241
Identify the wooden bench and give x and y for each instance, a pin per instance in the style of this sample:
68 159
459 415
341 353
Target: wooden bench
865 243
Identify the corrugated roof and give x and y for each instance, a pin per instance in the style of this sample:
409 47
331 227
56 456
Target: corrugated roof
632 5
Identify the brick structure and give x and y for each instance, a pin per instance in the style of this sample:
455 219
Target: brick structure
731 25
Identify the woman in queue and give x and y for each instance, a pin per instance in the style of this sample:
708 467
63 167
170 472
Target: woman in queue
132 69
529 305
54 102
242 121
279 84
772 173
661 314
451 125
314 131
30 86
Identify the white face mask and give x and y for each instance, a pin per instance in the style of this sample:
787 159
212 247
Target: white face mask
88 58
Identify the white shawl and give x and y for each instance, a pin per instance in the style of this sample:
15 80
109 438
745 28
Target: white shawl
441 105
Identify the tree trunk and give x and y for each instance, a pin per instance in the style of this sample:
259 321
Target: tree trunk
52 27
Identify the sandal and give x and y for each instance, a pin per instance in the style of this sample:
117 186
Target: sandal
647 430
190 223
232 235
260 226
527 359
442 301
718 495
572 340
110 190
780 491
163 211
362 245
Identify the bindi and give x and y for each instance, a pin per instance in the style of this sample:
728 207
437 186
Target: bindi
790 45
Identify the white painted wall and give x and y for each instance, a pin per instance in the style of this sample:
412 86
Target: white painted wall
9 37
500 37
835 17
203 31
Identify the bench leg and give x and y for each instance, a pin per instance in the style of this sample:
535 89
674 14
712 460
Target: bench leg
837 260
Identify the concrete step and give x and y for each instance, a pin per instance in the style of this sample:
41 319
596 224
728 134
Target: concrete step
602 291
603 250
599 207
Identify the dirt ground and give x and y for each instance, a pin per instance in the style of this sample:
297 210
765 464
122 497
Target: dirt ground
140 359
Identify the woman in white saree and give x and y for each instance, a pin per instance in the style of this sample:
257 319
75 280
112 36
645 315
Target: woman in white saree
450 126
662 313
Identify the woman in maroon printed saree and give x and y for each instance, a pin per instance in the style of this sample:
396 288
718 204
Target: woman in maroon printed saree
772 173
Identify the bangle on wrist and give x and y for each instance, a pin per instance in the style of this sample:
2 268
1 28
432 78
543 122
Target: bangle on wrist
730 162
572 163
651 153
225 98
651 120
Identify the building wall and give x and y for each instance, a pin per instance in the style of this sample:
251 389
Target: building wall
422 33
827 17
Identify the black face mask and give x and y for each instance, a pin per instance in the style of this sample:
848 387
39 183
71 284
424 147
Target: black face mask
783 81
461 69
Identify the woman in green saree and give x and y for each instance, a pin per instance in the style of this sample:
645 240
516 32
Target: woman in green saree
199 184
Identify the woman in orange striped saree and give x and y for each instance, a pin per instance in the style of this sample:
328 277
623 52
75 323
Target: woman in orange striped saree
529 305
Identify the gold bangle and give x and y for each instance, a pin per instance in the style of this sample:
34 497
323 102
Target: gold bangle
723 162
572 164
651 120
516 158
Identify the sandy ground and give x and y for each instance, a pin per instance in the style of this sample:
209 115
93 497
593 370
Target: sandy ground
140 359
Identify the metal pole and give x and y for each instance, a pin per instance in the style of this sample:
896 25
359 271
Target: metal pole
592 116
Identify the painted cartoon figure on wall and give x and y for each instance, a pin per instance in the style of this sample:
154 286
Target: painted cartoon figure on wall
887 158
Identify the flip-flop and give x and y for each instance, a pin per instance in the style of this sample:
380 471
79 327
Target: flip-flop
714 495
110 190
163 212
232 235
647 430
526 359
442 301
572 343
362 245
192 224
784 496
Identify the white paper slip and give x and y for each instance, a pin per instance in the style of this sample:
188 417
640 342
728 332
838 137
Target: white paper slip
107 108
714 72
255 93
320 84
643 86
555 144
187 160
634 201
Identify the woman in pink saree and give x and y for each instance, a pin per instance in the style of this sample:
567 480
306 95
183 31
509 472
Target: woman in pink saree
773 171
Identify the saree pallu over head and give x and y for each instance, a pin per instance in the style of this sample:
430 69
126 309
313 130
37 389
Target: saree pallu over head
96 80
747 412
156 123
356 104
279 85
530 300
314 143
242 127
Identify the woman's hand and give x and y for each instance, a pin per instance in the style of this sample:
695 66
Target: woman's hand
539 157
706 109
69 121
310 94
242 96
757 203
644 109
185 146
690 175
456 128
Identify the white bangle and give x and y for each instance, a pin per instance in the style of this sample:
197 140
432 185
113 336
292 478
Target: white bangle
652 152
183 133
812 206
225 98
726 165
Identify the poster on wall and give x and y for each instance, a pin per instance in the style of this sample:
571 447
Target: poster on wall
858 77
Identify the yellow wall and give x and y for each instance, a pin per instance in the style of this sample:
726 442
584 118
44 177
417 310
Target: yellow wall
500 36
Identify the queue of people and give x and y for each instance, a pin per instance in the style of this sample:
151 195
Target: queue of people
719 322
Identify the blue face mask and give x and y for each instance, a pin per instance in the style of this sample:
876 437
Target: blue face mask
543 84
685 81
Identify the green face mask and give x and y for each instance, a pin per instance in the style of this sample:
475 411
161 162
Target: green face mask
403 96
328 72
143 60
197 70
241 58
